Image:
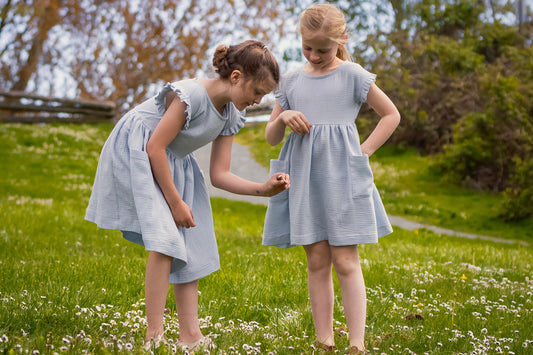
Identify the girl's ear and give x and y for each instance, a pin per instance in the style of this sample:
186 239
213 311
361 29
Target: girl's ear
345 39
235 77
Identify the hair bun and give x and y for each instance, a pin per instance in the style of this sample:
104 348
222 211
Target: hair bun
251 58
219 58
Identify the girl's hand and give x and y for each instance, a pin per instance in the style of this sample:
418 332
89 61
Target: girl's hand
182 215
296 121
277 183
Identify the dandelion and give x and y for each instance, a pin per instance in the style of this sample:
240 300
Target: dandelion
464 277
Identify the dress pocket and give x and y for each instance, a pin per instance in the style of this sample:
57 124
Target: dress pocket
141 175
361 176
279 166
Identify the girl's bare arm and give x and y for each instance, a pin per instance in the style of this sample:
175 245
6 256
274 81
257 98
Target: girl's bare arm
390 118
222 178
167 129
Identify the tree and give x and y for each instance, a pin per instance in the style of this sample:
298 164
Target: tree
25 30
117 50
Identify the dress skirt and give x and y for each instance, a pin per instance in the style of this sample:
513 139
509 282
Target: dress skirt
332 196
126 197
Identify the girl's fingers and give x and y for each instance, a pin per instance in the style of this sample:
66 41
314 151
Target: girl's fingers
187 223
283 179
303 125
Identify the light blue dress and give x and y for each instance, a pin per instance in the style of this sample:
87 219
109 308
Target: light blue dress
332 195
126 197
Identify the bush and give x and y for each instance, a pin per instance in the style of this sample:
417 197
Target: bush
492 149
518 197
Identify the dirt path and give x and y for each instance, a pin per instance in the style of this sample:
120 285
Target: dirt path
243 165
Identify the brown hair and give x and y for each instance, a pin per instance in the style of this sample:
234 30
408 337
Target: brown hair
251 57
330 21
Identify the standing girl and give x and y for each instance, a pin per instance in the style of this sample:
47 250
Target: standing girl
333 204
149 185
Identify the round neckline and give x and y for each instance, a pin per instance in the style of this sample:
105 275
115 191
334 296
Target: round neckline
323 75
212 105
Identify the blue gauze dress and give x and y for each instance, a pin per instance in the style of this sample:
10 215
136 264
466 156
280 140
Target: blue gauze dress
332 195
126 197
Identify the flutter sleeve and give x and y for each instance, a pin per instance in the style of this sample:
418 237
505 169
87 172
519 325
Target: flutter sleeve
185 93
363 80
235 121
281 93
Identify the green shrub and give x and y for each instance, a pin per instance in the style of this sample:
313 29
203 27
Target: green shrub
492 149
518 197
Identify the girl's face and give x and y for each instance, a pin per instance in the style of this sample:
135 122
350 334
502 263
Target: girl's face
250 92
319 50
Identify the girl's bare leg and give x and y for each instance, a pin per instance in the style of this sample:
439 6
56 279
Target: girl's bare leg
156 289
320 286
348 269
187 306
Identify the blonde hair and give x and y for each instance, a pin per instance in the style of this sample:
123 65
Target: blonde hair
330 21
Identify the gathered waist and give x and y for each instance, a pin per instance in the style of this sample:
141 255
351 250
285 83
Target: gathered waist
325 123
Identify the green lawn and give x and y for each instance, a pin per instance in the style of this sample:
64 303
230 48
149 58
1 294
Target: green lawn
69 287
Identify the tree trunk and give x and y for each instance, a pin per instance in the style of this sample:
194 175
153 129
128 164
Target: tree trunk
48 18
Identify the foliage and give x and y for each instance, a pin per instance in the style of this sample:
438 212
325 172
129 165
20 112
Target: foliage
518 197
69 287
117 50
485 143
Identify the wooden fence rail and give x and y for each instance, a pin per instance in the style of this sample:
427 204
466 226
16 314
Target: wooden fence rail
16 106
22 107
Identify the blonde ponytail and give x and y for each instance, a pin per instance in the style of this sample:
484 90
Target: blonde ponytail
343 54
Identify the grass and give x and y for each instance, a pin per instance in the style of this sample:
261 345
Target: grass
69 287
411 188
